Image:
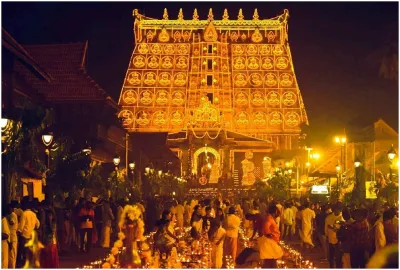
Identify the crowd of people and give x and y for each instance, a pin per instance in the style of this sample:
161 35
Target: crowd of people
62 227
348 236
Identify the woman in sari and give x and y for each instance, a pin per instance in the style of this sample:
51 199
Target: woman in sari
49 254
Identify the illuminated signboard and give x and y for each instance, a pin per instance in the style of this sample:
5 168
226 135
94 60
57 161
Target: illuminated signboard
319 190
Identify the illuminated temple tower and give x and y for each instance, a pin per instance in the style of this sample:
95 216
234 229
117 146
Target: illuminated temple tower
224 90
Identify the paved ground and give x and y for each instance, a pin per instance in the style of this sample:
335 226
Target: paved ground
77 259
315 255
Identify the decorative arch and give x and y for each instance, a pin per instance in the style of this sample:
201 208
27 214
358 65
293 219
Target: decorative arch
208 150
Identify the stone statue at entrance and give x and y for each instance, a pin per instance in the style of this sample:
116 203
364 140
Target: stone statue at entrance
267 168
248 170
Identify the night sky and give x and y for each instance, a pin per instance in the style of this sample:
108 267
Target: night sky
330 45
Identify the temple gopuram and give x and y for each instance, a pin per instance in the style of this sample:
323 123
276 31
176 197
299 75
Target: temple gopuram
224 90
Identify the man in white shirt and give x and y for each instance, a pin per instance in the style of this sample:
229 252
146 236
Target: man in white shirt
288 219
307 221
232 223
217 243
294 210
380 238
13 222
279 218
28 223
5 238
331 228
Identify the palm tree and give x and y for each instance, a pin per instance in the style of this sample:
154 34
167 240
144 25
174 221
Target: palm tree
386 56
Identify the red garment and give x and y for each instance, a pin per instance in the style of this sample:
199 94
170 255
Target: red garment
88 224
49 257
258 224
270 227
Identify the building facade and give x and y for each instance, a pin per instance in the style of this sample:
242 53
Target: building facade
223 89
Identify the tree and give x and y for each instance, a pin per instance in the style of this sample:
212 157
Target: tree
386 56
22 146
276 187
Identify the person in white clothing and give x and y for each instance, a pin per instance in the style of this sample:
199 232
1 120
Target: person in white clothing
307 221
231 225
5 238
294 210
380 239
13 222
216 235
279 218
288 219
180 210
28 223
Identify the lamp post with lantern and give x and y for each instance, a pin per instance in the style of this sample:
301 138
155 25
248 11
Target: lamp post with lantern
132 169
342 140
357 164
391 155
47 139
338 175
116 161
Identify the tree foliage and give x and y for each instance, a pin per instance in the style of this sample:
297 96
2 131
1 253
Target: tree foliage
276 187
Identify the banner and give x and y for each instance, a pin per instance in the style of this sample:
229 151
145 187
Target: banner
370 190
319 189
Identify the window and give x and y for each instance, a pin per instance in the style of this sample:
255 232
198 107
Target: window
210 97
209 80
209 48
209 63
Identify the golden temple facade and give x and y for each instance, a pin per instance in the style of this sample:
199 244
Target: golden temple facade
206 76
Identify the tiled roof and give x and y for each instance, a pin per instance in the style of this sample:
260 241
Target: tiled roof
65 64
14 47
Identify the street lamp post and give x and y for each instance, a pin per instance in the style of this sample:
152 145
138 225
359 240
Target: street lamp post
132 168
116 161
391 155
338 169
357 164
47 140
342 140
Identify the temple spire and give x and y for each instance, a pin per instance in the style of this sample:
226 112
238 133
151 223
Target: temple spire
225 17
165 15
255 15
180 15
240 16
210 15
195 15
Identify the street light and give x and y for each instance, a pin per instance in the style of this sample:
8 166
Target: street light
3 123
116 161
47 139
315 156
131 166
341 140
87 149
357 163
391 155
338 169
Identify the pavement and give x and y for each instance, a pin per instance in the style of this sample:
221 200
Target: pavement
315 255
77 259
